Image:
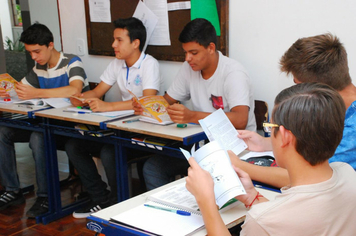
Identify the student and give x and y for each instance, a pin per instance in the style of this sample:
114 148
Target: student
131 69
320 58
212 81
55 74
302 146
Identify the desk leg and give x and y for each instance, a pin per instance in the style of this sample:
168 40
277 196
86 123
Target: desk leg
54 193
121 172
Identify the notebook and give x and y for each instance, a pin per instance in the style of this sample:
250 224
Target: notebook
159 222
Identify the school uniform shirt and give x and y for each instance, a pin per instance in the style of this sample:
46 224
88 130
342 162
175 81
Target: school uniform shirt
326 208
346 151
228 87
68 69
144 74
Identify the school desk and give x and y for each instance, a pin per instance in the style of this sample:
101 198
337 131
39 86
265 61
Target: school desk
174 136
121 139
50 118
100 221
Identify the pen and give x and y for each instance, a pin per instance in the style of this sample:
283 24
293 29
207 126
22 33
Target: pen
179 212
78 112
130 121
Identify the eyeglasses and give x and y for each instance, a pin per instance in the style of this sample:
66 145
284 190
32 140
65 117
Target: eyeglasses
267 127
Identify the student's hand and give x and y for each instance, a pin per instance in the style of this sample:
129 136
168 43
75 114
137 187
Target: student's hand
75 102
3 93
246 181
97 104
179 113
137 107
254 141
199 182
234 159
25 91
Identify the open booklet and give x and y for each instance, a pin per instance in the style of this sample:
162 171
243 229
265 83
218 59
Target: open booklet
218 127
45 102
8 83
154 109
214 158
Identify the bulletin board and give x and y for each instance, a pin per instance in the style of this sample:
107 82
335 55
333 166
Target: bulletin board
100 35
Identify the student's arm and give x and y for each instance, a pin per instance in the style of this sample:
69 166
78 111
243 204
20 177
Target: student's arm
98 105
201 185
25 91
254 141
274 176
181 114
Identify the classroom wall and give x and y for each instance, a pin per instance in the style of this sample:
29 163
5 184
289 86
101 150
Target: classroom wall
50 19
5 20
260 32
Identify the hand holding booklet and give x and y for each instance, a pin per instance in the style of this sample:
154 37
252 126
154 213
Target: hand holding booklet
154 109
214 159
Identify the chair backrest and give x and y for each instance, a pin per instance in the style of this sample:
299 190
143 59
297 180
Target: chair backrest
261 113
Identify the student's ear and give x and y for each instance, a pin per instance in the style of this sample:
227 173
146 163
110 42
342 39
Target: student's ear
136 43
287 137
211 48
51 45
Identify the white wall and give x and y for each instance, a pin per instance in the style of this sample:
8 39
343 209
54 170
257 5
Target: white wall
50 18
5 20
260 32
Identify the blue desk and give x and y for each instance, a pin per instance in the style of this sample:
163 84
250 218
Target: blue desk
19 119
180 137
56 210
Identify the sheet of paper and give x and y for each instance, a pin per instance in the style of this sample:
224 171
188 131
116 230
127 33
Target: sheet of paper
148 18
175 6
160 35
217 126
57 102
117 114
160 222
99 11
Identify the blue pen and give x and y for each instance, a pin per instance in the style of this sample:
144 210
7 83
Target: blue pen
179 212
78 112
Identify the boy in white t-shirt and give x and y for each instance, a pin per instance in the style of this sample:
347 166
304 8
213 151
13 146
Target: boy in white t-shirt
307 126
131 69
212 81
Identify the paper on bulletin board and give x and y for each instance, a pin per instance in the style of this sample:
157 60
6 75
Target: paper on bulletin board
148 18
206 9
99 11
160 35
175 6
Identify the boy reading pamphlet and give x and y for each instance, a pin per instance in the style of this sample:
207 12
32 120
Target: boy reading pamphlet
318 191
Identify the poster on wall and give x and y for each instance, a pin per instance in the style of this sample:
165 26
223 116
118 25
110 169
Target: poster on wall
99 11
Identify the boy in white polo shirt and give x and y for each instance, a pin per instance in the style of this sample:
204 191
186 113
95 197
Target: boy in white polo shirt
131 69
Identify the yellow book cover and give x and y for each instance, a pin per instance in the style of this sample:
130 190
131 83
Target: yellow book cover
154 107
7 82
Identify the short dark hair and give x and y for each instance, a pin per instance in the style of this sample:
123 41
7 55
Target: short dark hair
135 28
37 34
315 114
320 58
200 31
